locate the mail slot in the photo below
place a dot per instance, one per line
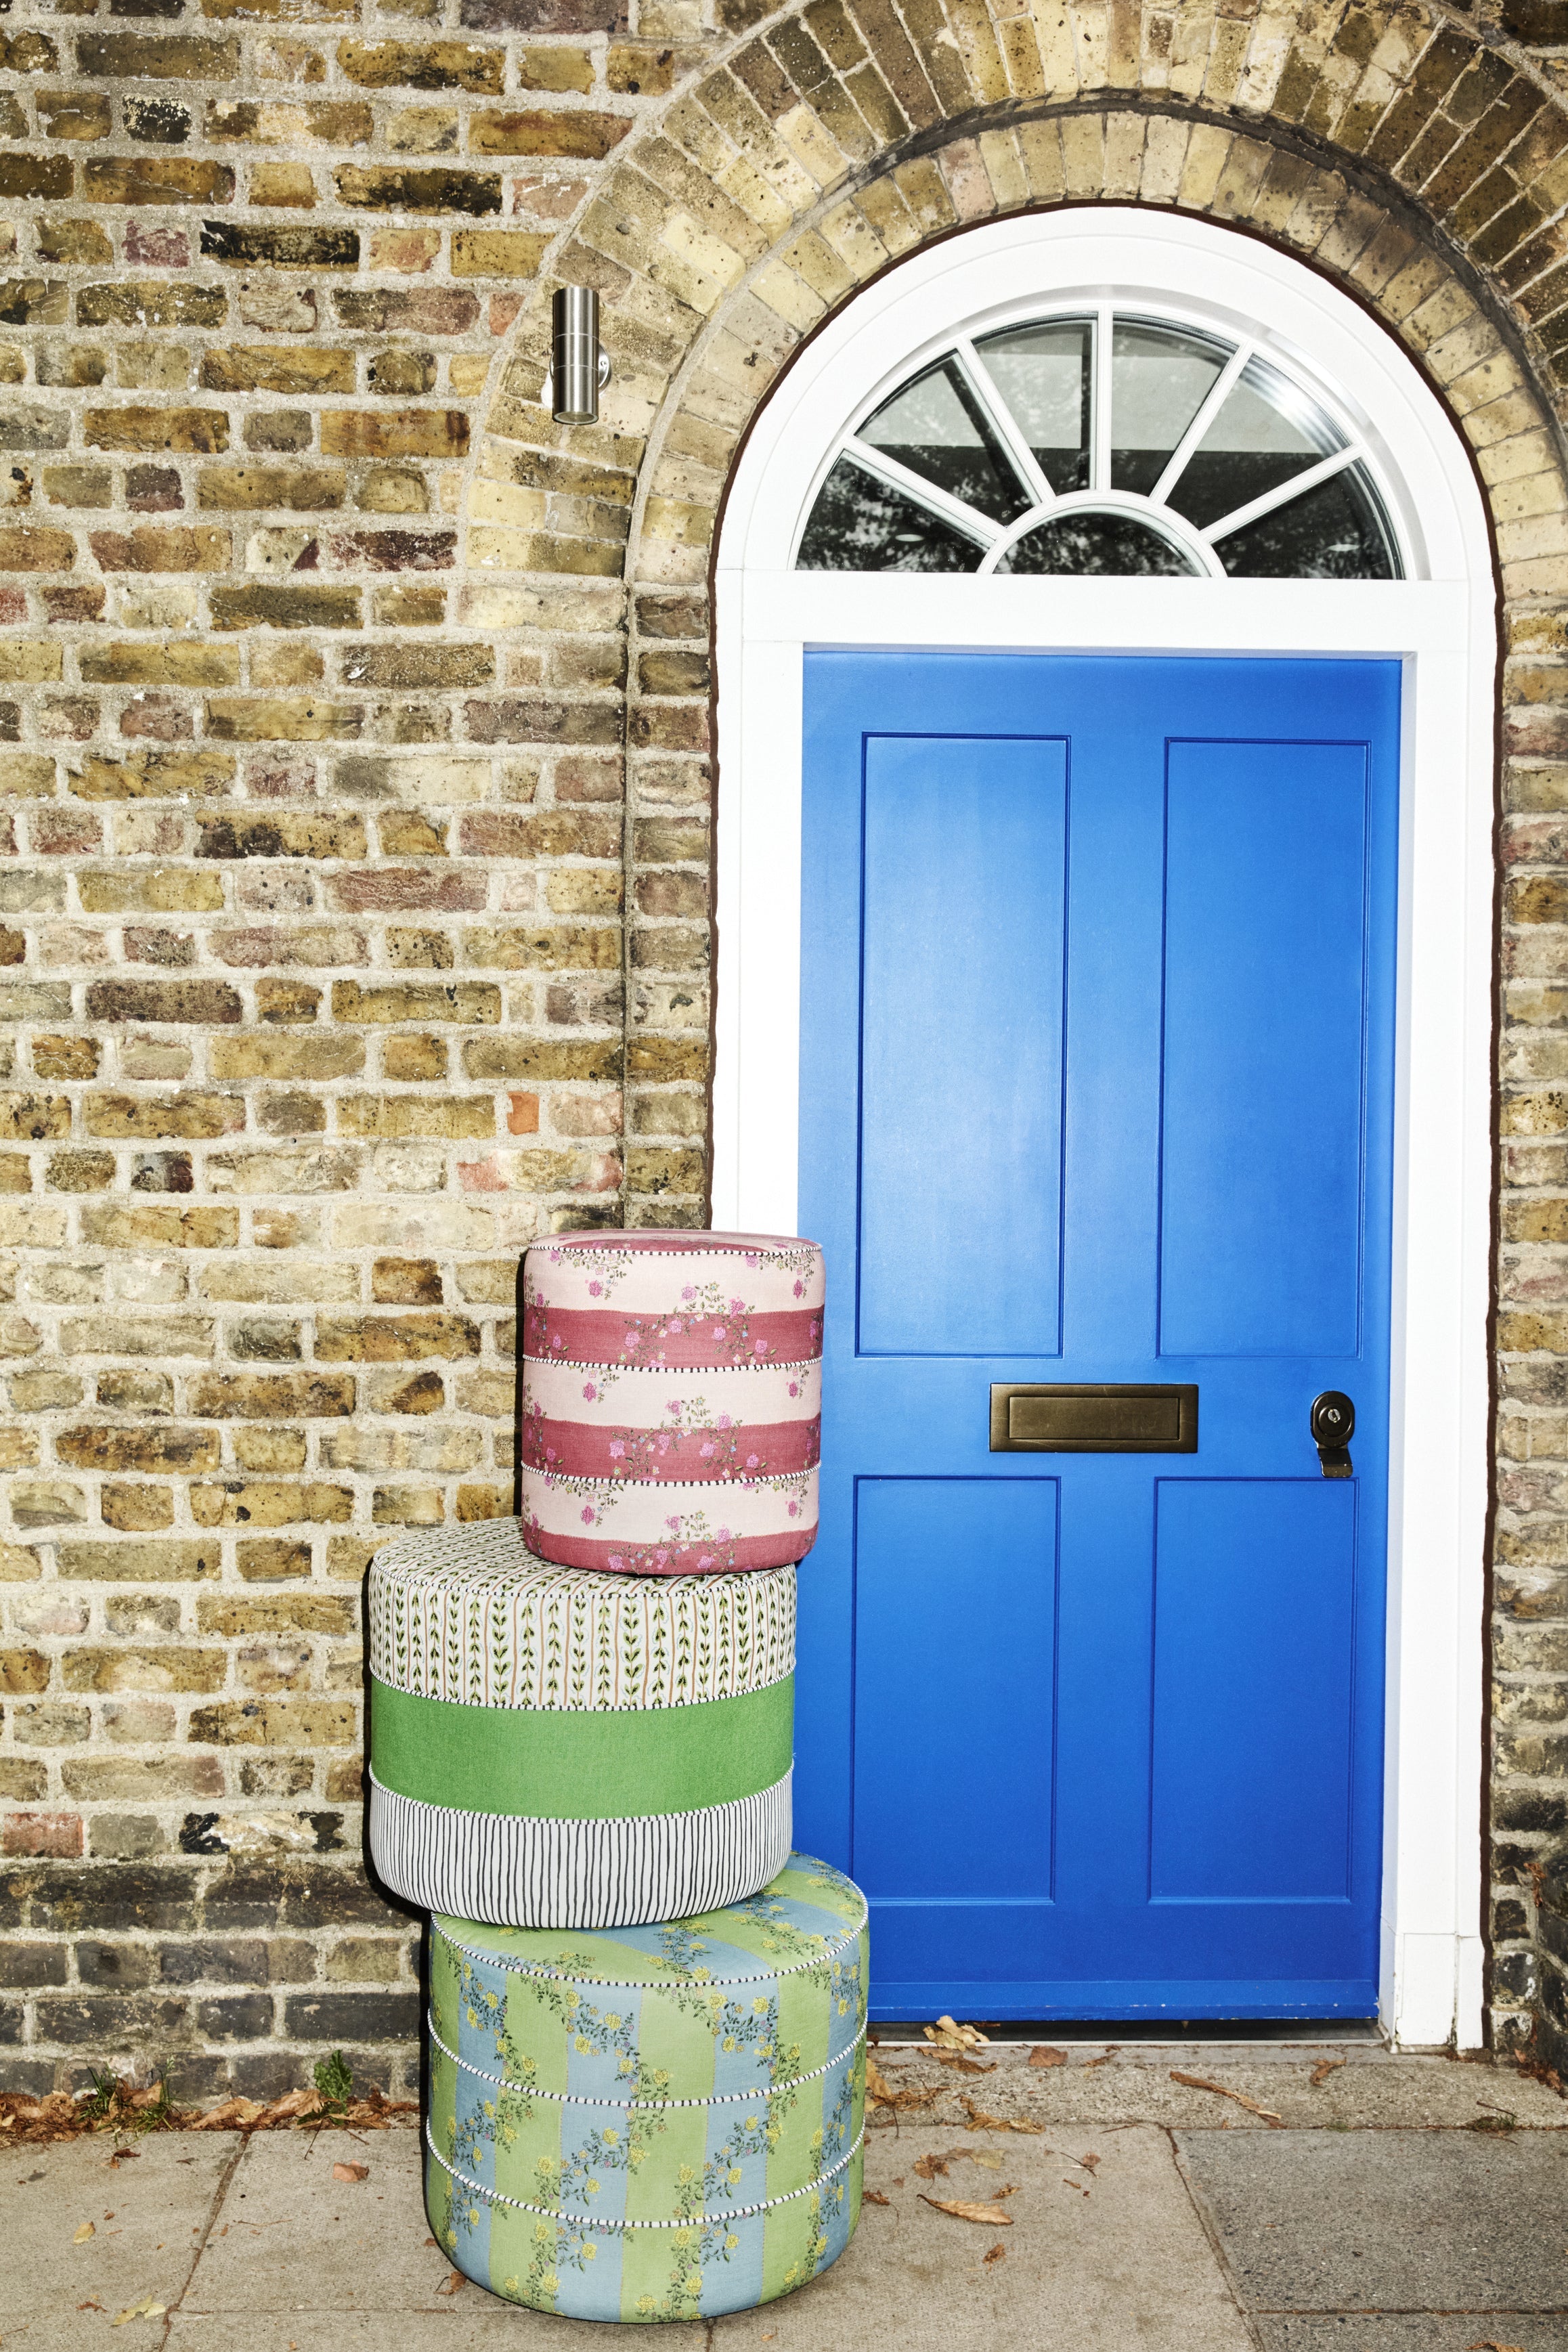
(1070, 1419)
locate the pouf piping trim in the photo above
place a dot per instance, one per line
(677, 2222)
(642, 1984)
(645, 2107)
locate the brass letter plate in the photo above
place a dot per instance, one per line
(1076, 1420)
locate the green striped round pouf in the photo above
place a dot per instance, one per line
(565, 1747)
(652, 2123)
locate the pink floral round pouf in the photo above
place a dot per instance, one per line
(671, 1400)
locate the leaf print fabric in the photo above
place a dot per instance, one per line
(651, 2124)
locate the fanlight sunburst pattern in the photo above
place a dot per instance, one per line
(1104, 442)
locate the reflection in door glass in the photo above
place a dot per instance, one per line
(1114, 410)
(937, 428)
(1044, 374)
(860, 524)
(1266, 432)
(1159, 381)
(1335, 531)
(1084, 542)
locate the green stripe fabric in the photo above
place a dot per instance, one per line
(580, 1764)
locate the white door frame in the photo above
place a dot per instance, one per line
(1440, 622)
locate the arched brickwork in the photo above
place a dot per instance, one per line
(1417, 163)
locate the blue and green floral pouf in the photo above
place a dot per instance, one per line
(651, 2123)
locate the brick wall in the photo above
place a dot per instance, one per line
(353, 814)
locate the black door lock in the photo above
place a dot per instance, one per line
(1333, 1425)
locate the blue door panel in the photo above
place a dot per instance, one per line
(966, 853)
(1261, 1158)
(991, 1735)
(1097, 1054)
(1253, 1683)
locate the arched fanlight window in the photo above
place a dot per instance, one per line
(1104, 442)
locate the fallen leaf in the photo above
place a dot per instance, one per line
(1491, 2345)
(149, 2097)
(92, 2306)
(1222, 2091)
(874, 2197)
(145, 2309)
(1042, 2054)
(293, 2103)
(991, 2216)
(877, 2088)
(980, 2121)
(1074, 2184)
(452, 2285)
(998, 2253)
(1323, 2069)
(1089, 2164)
(351, 2172)
(87, 2229)
(230, 2115)
(430, 2241)
(123, 2156)
(1104, 2060)
(954, 2036)
(956, 2059)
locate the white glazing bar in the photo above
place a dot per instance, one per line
(1282, 493)
(1214, 401)
(1002, 421)
(963, 517)
(1099, 446)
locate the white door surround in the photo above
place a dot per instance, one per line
(1441, 623)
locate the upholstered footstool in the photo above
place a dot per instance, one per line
(671, 1400)
(653, 2123)
(553, 1748)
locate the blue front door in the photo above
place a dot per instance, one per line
(1096, 1088)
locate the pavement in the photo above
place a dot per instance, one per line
(1399, 2204)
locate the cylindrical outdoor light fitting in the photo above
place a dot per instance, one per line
(578, 368)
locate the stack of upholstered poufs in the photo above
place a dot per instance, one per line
(647, 2017)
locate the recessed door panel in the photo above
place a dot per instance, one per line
(964, 890)
(1254, 1684)
(973, 1745)
(1261, 1133)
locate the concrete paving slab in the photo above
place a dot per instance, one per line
(1361, 2089)
(1116, 2258)
(1395, 2222)
(1423, 2331)
(147, 2213)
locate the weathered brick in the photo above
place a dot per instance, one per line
(578, 132)
(297, 489)
(183, 547)
(249, 245)
(267, 367)
(395, 433)
(202, 1000)
(167, 1562)
(497, 253)
(393, 188)
(156, 179)
(156, 57)
(423, 65)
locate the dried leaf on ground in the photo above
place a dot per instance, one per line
(230, 2115)
(1074, 2184)
(145, 2309)
(874, 2197)
(1323, 2069)
(1104, 2059)
(452, 2285)
(980, 2121)
(881, 2091)
(956, 2059)
(87, 2229)
(1043, 2055)
(1089, 2164)
(1498, 2119)
(1490, 2344)
(962, 2210)
(950, 2035)
(351, 2172)
(998, 2253)
(1223, 2091)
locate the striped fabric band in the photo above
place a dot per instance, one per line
(599, 1336)
(511, 1870)
(580, 2221)
(643, 2107)
(828, 1957)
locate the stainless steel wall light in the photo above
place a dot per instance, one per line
(579, 367)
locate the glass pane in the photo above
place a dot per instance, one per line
(858, 524)
(1333, 532)
(936, 427)
(1266, 432)
(1044, 374)
(1084, 542)
(1159, 381)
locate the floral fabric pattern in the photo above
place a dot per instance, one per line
(655, 2122)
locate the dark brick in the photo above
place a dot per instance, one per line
(108, 1896)
(1542, 21)
(351, 2017)
(544, 16)
(252, 245)
(419, 310)
(248, 2017)
(110, 2020)
(390, 188)
(114, 1968)
(201, 1001)
(23, 1965)
(158, 121)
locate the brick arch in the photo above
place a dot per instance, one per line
(1418, 165)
